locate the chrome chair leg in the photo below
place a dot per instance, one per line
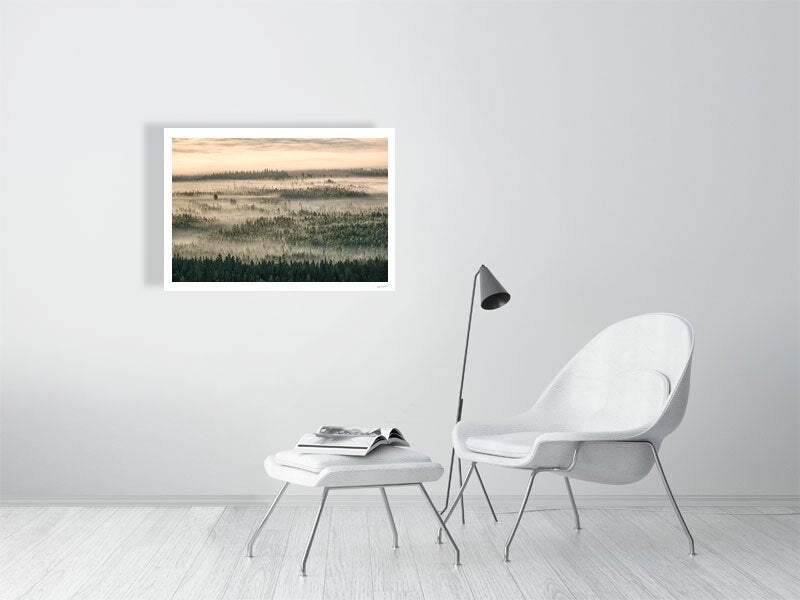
(442, 523)
(257, 532)
(455, 502)
(461, 482)
(488, 501)
(313, 531)
(449, 481)
(391, 518)
(672, 499)
(519, 516)
(574, 507)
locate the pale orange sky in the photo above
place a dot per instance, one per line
(191, 156)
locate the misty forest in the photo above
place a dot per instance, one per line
(279, 226)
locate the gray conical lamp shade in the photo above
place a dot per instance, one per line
(493, 294)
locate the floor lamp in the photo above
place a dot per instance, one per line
(493, 295)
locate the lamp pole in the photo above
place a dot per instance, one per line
(458, 417)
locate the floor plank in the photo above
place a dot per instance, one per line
(114, 577)
(78, 565)
(42, 558)
(394, 572)
(788, 518)
(255, 578)
(784, 533)
(211, 570)
(781, 511)
(94, 553)
(13, 518)
(32, 533)
(752, 552)
(537, 576)
(163, 574)
(439, 579)
(607, 574)
(710, 574)
(349, 558)
(599, 539)
(487, 575)
(290, 585)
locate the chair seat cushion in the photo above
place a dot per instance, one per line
(387, 465)
(509, 445)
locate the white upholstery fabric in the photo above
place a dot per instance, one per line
(631, 382)
(386, 465)
(383, 455)
(511, 445)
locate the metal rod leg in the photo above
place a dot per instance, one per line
(449, 480)
(313, 531)
(455, 502)
(461, 482)
(672, 500)
(519, 516)
(257, 532)
(488, 501)
(574, 507)
(391, 518)
(442, 523)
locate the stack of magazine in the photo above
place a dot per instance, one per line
(349, 441)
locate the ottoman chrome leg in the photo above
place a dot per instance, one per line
(264, 521)
(442, 523)
(313, 531)
(391, 518)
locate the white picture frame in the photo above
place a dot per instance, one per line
(172, 133)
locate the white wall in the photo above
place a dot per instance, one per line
(604, 160)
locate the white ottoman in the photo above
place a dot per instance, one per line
(384, 467)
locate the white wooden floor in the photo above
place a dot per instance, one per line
(86, 553)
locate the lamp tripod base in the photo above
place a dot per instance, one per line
(460, 483)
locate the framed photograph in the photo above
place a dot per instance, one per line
(278, 209)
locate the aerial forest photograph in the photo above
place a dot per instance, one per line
(264, 212)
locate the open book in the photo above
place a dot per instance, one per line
(349, 441)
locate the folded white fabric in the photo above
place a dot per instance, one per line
(387, 465)
(382, 455)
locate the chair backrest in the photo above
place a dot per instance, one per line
(632, 375)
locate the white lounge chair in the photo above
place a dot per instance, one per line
(601, 419)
